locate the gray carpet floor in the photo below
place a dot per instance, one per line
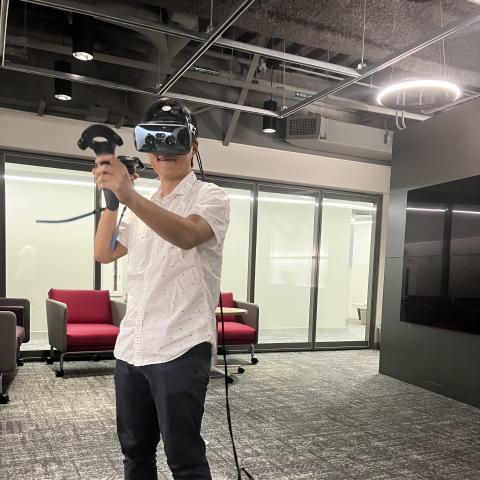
(315, 415)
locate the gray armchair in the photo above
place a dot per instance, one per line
(82, 321)
(239, 330)
(14, 330)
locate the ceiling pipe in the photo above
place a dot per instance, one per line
(3, 28)
(105, 14)
(396, 57)
(218, 32)
(126, 88)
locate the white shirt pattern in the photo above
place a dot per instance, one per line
(172, 293)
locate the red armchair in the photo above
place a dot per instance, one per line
(82, 321)
(240, 330)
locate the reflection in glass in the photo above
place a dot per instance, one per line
(441, 278)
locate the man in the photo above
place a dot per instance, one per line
(174, 242)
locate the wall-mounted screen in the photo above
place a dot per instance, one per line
(441, 272)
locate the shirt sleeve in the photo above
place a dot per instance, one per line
(214, 206)
(124, 230)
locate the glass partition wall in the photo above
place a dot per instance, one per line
(304, 255)
(40, 256)
(344, 273)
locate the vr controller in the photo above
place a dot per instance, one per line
(103, 140)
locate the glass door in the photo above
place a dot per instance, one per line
(284, 262)
(237, 245)
(345, 270)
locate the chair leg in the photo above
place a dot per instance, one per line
(61, 373)
(3, 398)
(50, 358)
(253, 360)
(19, 360)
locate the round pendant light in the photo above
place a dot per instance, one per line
(269, 123)
(82, 37)
(63, 88)
(419, 95)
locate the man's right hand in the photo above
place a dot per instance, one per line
(111, 171)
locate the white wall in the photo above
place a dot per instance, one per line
(58, 136)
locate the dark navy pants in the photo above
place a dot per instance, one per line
(163, 399)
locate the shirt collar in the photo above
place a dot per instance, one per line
(183, 187)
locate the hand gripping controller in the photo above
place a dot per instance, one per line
(103, 141)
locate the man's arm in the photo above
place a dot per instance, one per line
(105, 231)
(103, 238)
(185, 233)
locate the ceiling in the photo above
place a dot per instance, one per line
(132, 58)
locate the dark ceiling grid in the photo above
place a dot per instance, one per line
(404, 53)
(243, 94)
(279, 12)
(203, 48)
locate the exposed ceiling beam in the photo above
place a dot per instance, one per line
(127, 88)
(243, 96)
(41, 106)
(3, 28)
(103, 12)
(203, 48)
(261, 87)
(396, 57)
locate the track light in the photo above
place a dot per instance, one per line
(82, 37)
(63, 88)
(269, 123)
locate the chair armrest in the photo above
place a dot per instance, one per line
(251, 317)
(57, 324)
(25, 303)
(119, 309)
(8, 342)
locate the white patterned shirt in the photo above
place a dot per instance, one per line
(172, 293)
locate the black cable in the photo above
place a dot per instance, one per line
(200, 166)
(224, 351)
(227, 400)
(71, 219)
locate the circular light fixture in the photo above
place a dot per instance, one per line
(84, 56)
(419, 95)
(269, 123)
(63, 88)
(63, 96)
(166, 108)
(82, 37)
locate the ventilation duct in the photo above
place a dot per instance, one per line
(314, 132)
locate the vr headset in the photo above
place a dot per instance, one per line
(168, 129)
